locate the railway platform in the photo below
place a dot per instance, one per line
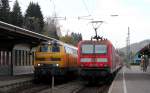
(9, 82)
(131, 80)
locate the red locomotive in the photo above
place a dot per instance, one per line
(98, 59)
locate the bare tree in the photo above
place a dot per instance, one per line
(52, 28)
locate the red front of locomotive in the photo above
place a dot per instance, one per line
(95, 58)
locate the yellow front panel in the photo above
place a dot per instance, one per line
(50, 57)
(62, 58)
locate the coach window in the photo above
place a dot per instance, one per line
(71, 51)
(74, 52)
(68, 50)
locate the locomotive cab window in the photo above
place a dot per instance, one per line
(90, 49)
(44, 48)
(87, 49)
(100, 49)
(55, 48)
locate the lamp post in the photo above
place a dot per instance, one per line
(53, 82)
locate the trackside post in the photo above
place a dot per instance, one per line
(52, 85)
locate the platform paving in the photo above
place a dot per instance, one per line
(131, 80)
(11, 80)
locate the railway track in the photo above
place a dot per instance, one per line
(33, 89)
(28, 87)
(78, 87)
(38, 88)
(69, 87)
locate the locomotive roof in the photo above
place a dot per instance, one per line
(105, 41)
(61, 43)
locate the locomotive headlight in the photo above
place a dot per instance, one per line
(38, 64)
(57, 65)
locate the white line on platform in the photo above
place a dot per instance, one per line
(124, 83)
(112, 85)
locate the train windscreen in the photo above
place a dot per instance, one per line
(87, 49)
(55, 48)
(44, 48)
(100, 49)
(49, 48)
(90, 49)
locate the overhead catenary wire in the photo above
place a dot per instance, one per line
(54, 7)
(54, 12)
(97, 23)
(81, 17)
(86, 7)
(65, 18)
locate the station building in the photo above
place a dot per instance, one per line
(17, 46)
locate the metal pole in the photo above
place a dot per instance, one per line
(128, 47)
(129, 56)
(52, 84)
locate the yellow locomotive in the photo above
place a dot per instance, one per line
(55, 59)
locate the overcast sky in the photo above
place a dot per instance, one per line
(132, 13)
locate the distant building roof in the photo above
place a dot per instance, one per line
(145, 50)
